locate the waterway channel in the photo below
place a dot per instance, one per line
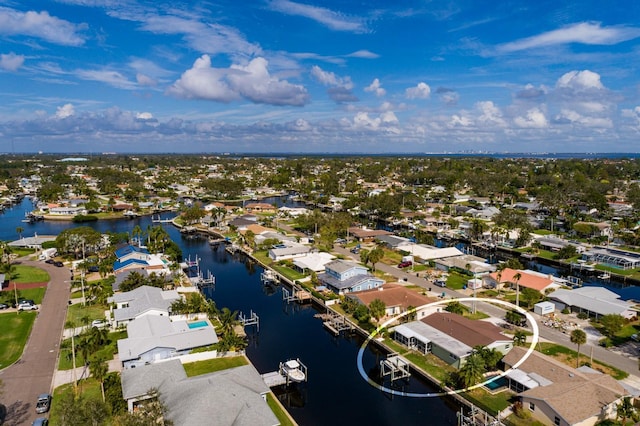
(335, 393)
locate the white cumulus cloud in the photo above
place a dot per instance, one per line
(252, 81)
(420, 91)
(65, 111)
(324, 16)
(580, 80)
(376, 88)
(11, 61)
(533, 119)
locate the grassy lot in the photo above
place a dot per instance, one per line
(211, 365)
(288, 272)
(277, 409)
(569, 356)
(29, 274)
(456, 281)
(35, 294)
(20, 252)
(90, 389)
(14, 333)
(83, 315)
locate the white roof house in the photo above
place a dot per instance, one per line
(153, 338)
(596, 301)
(313, 261)
(144, 300)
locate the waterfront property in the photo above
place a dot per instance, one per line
(613, 257)
(154, 338)
(129, 257)
(313, 262)
(595, 301)
(288, 250)
(235, 396)
(144, 300)
(527, 279)
(397, 299)
(557, 394)
(451, 337)
(343, 277)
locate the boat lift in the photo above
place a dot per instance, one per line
(289, 371)
(395, 367)
(252, 319)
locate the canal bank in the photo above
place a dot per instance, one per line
(335, 393)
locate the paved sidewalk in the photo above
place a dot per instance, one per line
(61, 377)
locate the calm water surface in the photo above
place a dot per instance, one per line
(335, 393)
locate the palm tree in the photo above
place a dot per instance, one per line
(578, 337)
(228, 320)
(472, 370)
(516, 278)
(72, 325)
(19, 231)
(626, 410)
(136, 233)
(99, 369)
(519, 338)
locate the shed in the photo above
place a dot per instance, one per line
(544, 308)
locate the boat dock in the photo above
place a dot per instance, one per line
(335, 322)
(295, 294)
(395, 367)
(269, 276)
(289, 371)
(252, 319)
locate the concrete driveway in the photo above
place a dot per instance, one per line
(33, 373)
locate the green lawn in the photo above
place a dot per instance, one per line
(211, 365)
(456, 281)
(14, 333)
(35, 294)
(568, 356)
(29, 274)
(277, 409)
(76, 313)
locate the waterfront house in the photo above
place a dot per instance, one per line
(154, 338)
(613, 257)
(67, 211)
(260, 208)
(466, 263)
(528, 279)
(451, 337)
(397, 299)
(343, 277)
(288, 251)
(312, 262)
(235, 396)
(595, 301)
(557, 394)
(133, 257)
(144, 300)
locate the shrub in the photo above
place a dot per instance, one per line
(84, 218)
(566, 311)
(605, 342)
(583, 315)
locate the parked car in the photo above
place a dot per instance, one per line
(98, 323)
(43, 403)
(4, 306)
(58, 264)
(440, 283)
(404, 264)
(50, 261)
(93, 268)
(40, 421)
(355, 250)
(27, 307)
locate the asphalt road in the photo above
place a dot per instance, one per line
(607, 356)
(33, 373)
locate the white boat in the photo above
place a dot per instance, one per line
(604, 276)
(293, 369)
(269, 276)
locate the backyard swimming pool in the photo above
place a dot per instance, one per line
(197, 324)
(496, 384)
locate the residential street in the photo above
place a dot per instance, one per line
(630, 365)
(33, 373)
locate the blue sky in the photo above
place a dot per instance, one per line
(319, 77)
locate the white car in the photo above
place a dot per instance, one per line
(98, 323)
(27, 307)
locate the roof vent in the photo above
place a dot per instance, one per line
(570, 374)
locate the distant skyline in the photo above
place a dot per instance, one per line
(282, 76)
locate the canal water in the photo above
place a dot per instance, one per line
(335, 394)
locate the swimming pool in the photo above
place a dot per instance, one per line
(197, 324)
(496, 384)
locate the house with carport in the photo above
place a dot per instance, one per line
(595, 301)
(451, 337)
(557, 394)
